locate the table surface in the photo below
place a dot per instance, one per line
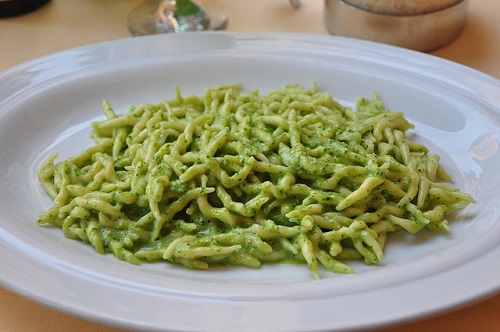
(64, 24)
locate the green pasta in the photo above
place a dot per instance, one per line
(245, 179)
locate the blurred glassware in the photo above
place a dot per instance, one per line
(166, 16)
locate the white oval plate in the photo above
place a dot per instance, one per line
(46, 105)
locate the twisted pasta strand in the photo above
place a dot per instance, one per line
(234, 178)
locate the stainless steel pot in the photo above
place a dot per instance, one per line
(421, 28)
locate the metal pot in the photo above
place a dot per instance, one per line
(416, 26)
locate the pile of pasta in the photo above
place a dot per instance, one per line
(237, 178)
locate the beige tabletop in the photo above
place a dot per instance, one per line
(64, 24)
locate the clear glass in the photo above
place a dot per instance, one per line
(165, 16)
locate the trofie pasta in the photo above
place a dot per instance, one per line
(245, 179)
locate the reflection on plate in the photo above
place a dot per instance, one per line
(46, 105)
